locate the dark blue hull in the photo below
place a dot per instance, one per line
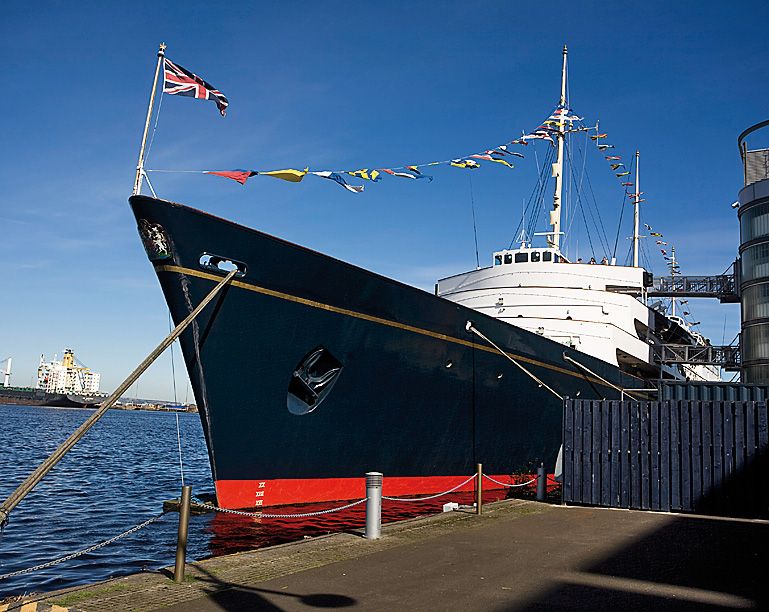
(309, 372)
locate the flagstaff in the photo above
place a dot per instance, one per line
(140, 164)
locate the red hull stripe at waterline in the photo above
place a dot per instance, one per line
(235, 494)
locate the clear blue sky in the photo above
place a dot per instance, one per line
(341, 85)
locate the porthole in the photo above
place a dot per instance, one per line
(449, 363)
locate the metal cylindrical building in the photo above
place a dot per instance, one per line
(754, 260)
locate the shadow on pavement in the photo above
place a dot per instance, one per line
(689, 563)
(222, 595)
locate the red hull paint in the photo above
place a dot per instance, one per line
(235, 494)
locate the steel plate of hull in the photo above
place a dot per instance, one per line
(404, 388)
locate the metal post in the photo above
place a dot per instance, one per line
(541, 482)
(181, 536)
(29, 483)
(479, 488)
(373, 505)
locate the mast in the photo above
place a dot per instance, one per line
(140, 163)
(555, 215)
(636, 201)
(672, 276)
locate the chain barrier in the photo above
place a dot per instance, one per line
(82, 552)
(414, 499)
(300, 515)
(503, 484)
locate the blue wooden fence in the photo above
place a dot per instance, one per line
(709, 457)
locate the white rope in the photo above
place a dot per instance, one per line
(413, 499)
(504, 484)
(179, 442)
(541, 383)
(81, 552)
(300, 515)
(603, 380)
(180, 171)
(176, 401)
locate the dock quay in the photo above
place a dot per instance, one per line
(518, 555)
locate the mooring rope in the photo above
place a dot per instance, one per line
(471, 328)
(82, 552)
(414, 499)
(299, 515)
(603, 380)
(504, 484)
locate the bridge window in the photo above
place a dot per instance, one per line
(521, 257)
(497, 260)
(535, 255)
(547, 256)
(508, 258)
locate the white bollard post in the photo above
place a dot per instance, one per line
(373, 505)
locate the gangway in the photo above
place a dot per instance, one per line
(724, 287)
(727, 357)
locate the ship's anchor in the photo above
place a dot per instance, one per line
(313, 383)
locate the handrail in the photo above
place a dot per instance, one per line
(745, 133)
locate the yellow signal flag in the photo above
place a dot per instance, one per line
(465, 163)
(289, 174)
(366, 175)
(492, 159)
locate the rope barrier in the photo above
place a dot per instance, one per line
(299, 515)
(504, 484)
(413, 499)
(82, 552)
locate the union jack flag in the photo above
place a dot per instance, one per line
(178, 80)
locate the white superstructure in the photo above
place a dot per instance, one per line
(597, 308)
(65, 377)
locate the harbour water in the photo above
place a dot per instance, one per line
(118, 476)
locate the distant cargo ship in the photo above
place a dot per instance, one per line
(59, 383)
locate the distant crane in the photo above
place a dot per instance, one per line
(7, 377)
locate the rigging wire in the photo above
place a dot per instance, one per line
(178, 430)
(598, 224)
(154, 128)
(622, 211)
(538, 204)
(475, 229)
(587, 229)
(578, 188)
(531, 208)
